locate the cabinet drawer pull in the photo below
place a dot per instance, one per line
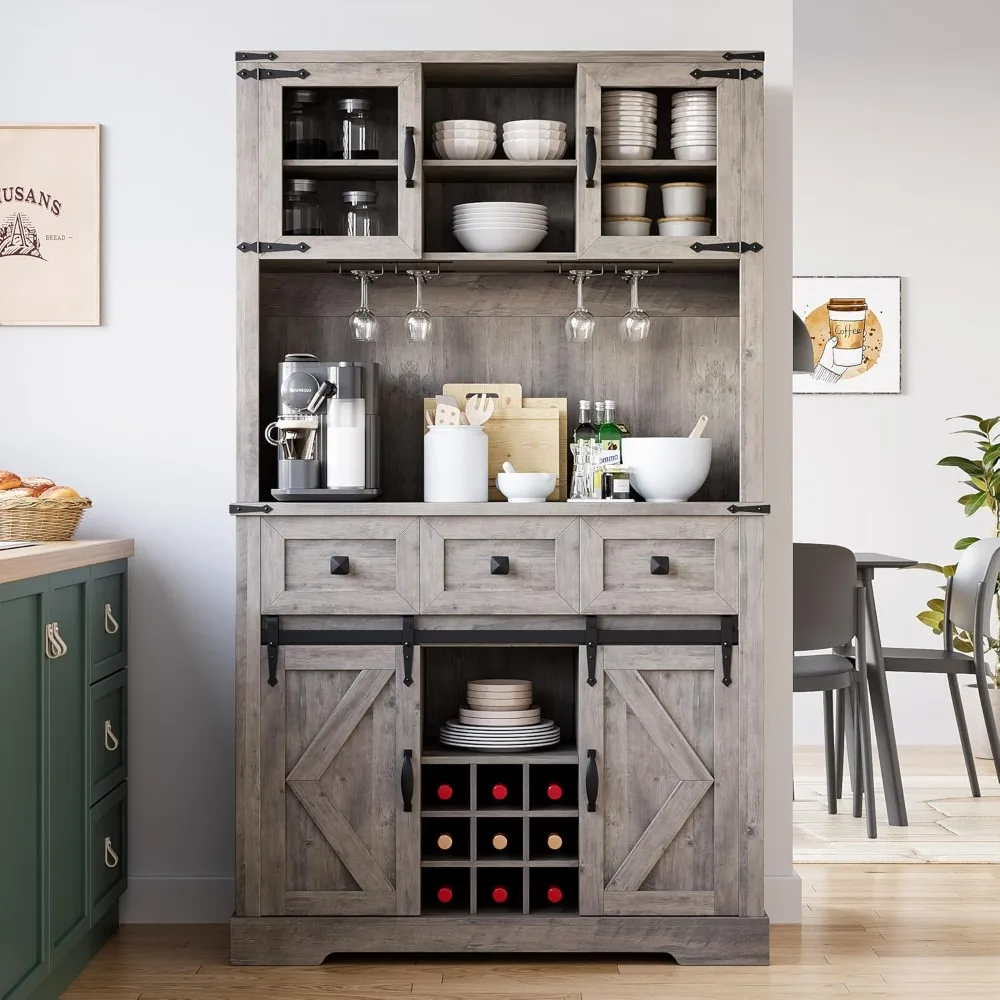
(409, 156)
(406, 781)
(340, 565)
(110, 625)
(110, 740)
(110, 858)
(590, 156)
(499, 565)
(63, 648)
(592, 781)
(659, 565)
(54, 645)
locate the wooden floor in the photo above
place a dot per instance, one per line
(868, 931)
(946, 824)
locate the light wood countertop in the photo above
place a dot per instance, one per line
(53, 557)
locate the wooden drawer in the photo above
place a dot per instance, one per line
(501, 565)
(339, 565)
(108, 845)
(659, 565)
(108, 618)
(108, 734)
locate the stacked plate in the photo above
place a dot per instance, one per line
(500, 226)
(534, 139)
(500, 718)
(464, 139)
(693, 119)
(628, 125)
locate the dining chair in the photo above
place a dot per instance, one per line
(967, 605)
(827, 612)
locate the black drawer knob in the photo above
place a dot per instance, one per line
(499, 565)
(340, 565)
(659, 565)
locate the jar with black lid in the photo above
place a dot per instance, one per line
(303, 216)
(361, 215)
(305, 137)
(358, 133)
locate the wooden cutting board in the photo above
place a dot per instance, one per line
(508, 393)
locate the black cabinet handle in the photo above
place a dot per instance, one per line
(409, 156)
(499, 565)
(592, 781)
(590, 158)
(659, 565)
(406, 781)
(340, 565)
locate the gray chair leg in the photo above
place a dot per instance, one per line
(963, 734)
(867, 765)
(991, 724)
(841, 707)
(830, 753)
(854, 749)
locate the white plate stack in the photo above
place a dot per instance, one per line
(500, 226)
(628, 125)
(464, 139)
(534, 139)
(500, 719)
(693, 120)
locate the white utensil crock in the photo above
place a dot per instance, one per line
(456, 466)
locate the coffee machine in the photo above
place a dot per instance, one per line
(328, 431)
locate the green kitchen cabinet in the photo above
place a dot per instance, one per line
(59, 784)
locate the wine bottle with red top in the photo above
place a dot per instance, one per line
(554, 889)
(499, 889)
(498, 786)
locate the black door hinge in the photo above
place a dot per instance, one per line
(730, 638)
(749, 508)
(250, 508)
(591, 650)
(263, 73)
(408, 650)
(743, 56)
(269, 637)
(736, 73)
(261, 56)
(739, 247)
(271, 247)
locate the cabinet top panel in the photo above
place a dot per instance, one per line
(54, 557)
(561, 509)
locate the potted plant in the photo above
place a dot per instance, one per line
(983, 472)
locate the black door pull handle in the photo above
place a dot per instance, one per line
(659, 565)
(340, 565)
(406, 781)
(499, 565)
(592, 781)
(409, 156)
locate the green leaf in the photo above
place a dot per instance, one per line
(930, 618)
(949, 570)
(964, 543)
(975, 504)
(979, 484)
(987, 425)
(970, 430)
(990, 456)
(936, 604)
(967, 416)
(962, 646)
(963, 500)
(967, 465)
(933, 567)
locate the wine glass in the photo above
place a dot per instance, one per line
(634, 325)
(418, 322)
(580, 322)
(363, 323)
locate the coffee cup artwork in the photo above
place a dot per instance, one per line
(855, 331)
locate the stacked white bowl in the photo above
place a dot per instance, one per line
(500, 226)
(464, 139)
(534, 139)
(623, 209)
(685, 204)
(693, 119)
(628, 125)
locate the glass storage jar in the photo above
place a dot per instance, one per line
(358, 134)
(305, 137)
(361, 216)
(303, 216)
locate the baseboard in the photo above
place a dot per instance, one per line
(783, 898)
(162, 899)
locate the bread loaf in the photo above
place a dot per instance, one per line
(9, 480)
(19, 491)
(39, 483)
(59, 493)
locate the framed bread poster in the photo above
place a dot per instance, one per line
(50, 225)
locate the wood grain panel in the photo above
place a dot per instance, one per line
(590, 736)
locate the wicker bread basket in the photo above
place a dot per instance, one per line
(31, 519)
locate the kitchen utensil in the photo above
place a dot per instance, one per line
(506, 394)
(628, 152)
(534, 149)
(500, 685)
(626, 198)
(625, 226)
(417, 321)
(464, 123)
(464, 133)
(455, 464)
(526, 487)
(305, 128)
(684, 198)
(298, 474)
(428, 418)
(695, 152)
(667, 470)
(500, 239)
(699, 427)
(499, 718)
(361, 215)
(464, 148)
(535, 123)
(507, 467)
(580, 323)
(698, 226)
(358, 133)
(515, 701)
(534, 133)
(303, 215)
(447, 416)
(479, 409)
(634, 326)
(363, 323)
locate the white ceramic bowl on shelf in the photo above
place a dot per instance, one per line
(535, 149)
(496, 239)
(628, 151)
(501, 222)
(667, 470)
(684, 198)
(532, 124)
(464, 149)
(464, 123)
(691, 225)
(528, 133)
(695, 152)
(526, 487)
(512, 215)
(624, 198)
(625, 225)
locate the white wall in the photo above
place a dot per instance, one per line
(875, 91)
(121, 402)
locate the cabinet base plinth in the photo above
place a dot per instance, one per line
(688, 940)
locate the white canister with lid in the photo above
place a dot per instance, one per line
(456, 464)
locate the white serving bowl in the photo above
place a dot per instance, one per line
(535, 149)
(502, 204)
(692, 225)
(705, 94)
(694, 139)
(624, 198)
(625, 225)
(464, 123)
(682, 114)
(643, 95)
(643, 121)
(628, 151)
(628, 138)
(526, 487)
(499, 240)
(702, 121)
(533, 133)
(512, 213)
(695, 152)
(666, 469)
(535, 123)
(684, 198)
(501, 217)
(464, 149)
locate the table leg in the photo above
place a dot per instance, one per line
(885, 734)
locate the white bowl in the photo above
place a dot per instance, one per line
(667, 469)
(502, 204)
(464, 149)
(683, 114)
(624, 198)
(705, 94)
(632, 225)
(533, 133)
(478, 227)
(628, 139)
(630, 151)
(692, 225)
(500, 218)
(614, 121)
(684, 198)
(464, 123)
(695, 152)
(526, 487)
(535, 149)
(500, 240)
(513, 213)
(695, 121)
(535, 123)
(694, 139)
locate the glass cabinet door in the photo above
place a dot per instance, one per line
(340, 160)
(649, 125)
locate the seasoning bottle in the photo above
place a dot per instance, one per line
(585, 430)
(598, 421)
(609, 433)
(303, 216)
(617, 483)
(305, 137)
